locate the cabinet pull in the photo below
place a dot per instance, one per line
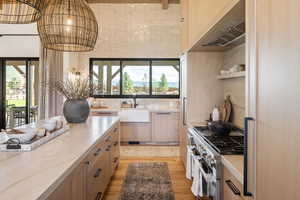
(97, 174)
(116, 159)
(184, 110)
(108, 148)
(97, 152)
(233, 188)
(246, 121)
(99, 195)
(87, 162)
(163, 113)
(116, 143)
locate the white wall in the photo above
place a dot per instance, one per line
(133, 31)
(19, 46)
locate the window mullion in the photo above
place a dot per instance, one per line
(121, 77)
(150, 79)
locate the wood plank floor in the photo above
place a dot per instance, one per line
(181, 186)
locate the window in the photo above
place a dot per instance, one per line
(106, 76)
(135, 79)
(145, 78)
(165, 79)
(18, 91)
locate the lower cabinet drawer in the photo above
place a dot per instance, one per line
(97, 179)
(232, 188)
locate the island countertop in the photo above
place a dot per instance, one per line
(34, 175)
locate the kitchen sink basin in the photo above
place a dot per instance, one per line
(134, 115)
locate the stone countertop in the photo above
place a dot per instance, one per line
(235, 165)
(154, 110)
(34, 175)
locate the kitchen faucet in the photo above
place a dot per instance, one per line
(134, 102)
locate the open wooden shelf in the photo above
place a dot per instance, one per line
(233, 75)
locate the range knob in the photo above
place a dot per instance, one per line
(204, 153)
(212, 163)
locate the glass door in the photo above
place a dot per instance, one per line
(19, 91)
(15, 93)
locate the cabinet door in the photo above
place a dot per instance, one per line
(98, 177)
(277, 61)
(165, 127)
(136, 132)
(115, 152)
(184, 25)
(202, 15)
(232, 189)
(73, 187)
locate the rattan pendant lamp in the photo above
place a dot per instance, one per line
(68, 25)
(20, 11)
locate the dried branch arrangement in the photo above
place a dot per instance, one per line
(74, 88)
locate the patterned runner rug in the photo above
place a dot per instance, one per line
(147, 181)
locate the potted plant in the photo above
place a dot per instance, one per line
(76, 91)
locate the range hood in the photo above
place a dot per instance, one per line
(225, 33)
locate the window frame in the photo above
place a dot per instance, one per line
(3, 61)
(150, 95)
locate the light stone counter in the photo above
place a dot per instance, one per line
(154, 110)
(34, 175)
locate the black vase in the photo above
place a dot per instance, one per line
(76, 111)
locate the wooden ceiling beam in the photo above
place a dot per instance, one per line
(165, 4)
(133, 1)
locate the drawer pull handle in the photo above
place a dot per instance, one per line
(97, 152)
(108, 148)
(164, 113)
(108, 139)
(97, 174)
(87, 162)
(99, 195)
(233, 188)
(116, 159)
(116, 143)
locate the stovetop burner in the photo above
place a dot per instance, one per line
(226, 145)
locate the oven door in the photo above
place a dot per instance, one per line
(208, 181)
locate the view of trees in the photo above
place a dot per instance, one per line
(137, 77)
(127, 84)
(163, 84)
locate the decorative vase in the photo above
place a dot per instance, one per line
(76, 111)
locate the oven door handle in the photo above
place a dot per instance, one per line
(246, 122)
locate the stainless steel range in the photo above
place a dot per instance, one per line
(205, 150)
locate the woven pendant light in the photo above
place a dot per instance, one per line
(68, 25)
(20, 11)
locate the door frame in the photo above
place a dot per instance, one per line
(3, 61)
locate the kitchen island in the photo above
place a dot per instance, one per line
(48, 171)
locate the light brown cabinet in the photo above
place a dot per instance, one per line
(137, 132)
(199, 16)
(165, 127)
(89, 180)
(73, 187)
(232, 188)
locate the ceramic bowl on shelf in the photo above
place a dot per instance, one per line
(27, 135)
